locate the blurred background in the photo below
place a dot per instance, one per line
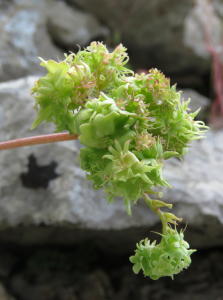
(58, 238)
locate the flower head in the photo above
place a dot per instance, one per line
(167, 258)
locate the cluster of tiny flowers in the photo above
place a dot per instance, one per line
(167, 258)
(129, 123)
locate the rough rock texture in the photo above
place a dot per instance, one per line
(200, 16)
(69, 27)
(61, 198)
(26, 28)
(24, 37)
(167, 34)
(198, 188)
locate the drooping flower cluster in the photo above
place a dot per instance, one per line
(167, 258)
(128, 123)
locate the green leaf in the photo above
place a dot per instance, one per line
(193, 115)
(169, 154)
(136, 268)
(42, 115)
(46, 91)
(133, 259)
(53, 66)
(70, 123)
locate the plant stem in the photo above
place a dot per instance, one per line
(37, 140)
(157, 211)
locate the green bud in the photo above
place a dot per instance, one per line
(167, 258)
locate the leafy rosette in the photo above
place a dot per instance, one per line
(167, 258)
(123, 172)
(126, 168)
(102, 121)
(164, 113)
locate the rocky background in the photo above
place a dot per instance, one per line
(58, 238)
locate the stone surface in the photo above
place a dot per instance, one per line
(71, 210)
(198, 188)
(203, 15)
(4, 295)
(166, 34)
(69, 27)
(32, 28)
(24, 37)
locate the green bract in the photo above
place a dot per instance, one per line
(129, 124)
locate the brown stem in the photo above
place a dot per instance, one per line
(37, 140)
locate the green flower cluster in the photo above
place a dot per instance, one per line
(129, 124)
(69, 84)
(167, 258)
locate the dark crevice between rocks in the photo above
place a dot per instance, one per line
(201, 83)
(143, 58)
(85, 272)
(65, 48)
(73, 48)
(75, 5)
(72, 264)
(38, 176)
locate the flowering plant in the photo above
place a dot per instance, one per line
(129, 124)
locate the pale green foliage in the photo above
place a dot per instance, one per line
(167, 258)
(128, 123)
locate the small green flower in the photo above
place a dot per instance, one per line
(167, 258)
(125, 164)
(144, 141)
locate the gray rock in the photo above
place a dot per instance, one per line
(218, 6)
(69, 27)
(24, 37)
(32, 28)
(71, 210)
(4, 295)
(203, 15)
(198, 188)
(197, 101)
